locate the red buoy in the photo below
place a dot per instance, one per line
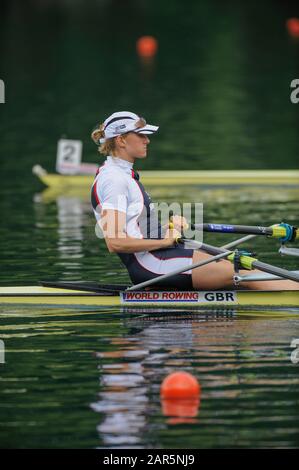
(147, 46)
(181, 408)
(180, 385)
(293, 27)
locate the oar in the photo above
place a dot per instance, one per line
(258, 277)
(222, 254)
(248, 262)
(85, 286)
(197, 245)
(284, 231)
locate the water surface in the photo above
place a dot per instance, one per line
(83, 379)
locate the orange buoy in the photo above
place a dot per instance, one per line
(181, 408)
(293, 27)
(147, 46)
(180, 385)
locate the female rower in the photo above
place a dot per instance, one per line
(124, 211)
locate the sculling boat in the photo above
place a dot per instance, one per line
(93, 294)
(178, 178)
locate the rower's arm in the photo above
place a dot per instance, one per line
(113, 224)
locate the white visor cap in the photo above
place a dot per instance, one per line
(123, 122)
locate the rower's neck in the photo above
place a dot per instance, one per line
(120, 161)
(122, 155)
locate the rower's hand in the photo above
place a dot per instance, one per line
(178, 222)
(171, 237)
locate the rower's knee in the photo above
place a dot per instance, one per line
(215, 275)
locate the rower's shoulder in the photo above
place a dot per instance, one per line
(111, 178)
(109, 172)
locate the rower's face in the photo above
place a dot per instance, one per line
(136, 145)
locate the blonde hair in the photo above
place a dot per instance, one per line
(108, 147)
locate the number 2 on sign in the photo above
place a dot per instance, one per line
(69, 153)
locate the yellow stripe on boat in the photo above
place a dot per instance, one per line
(45, 296)
(179, 178)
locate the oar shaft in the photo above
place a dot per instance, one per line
(275, 231)
(228, 228)
(268, 268)
(227, 246)
(195, 245)
(252, 262)
(258, 277)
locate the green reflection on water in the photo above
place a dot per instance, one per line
(92, 379)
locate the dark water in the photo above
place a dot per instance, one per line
(92, 379)
(219, 88)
